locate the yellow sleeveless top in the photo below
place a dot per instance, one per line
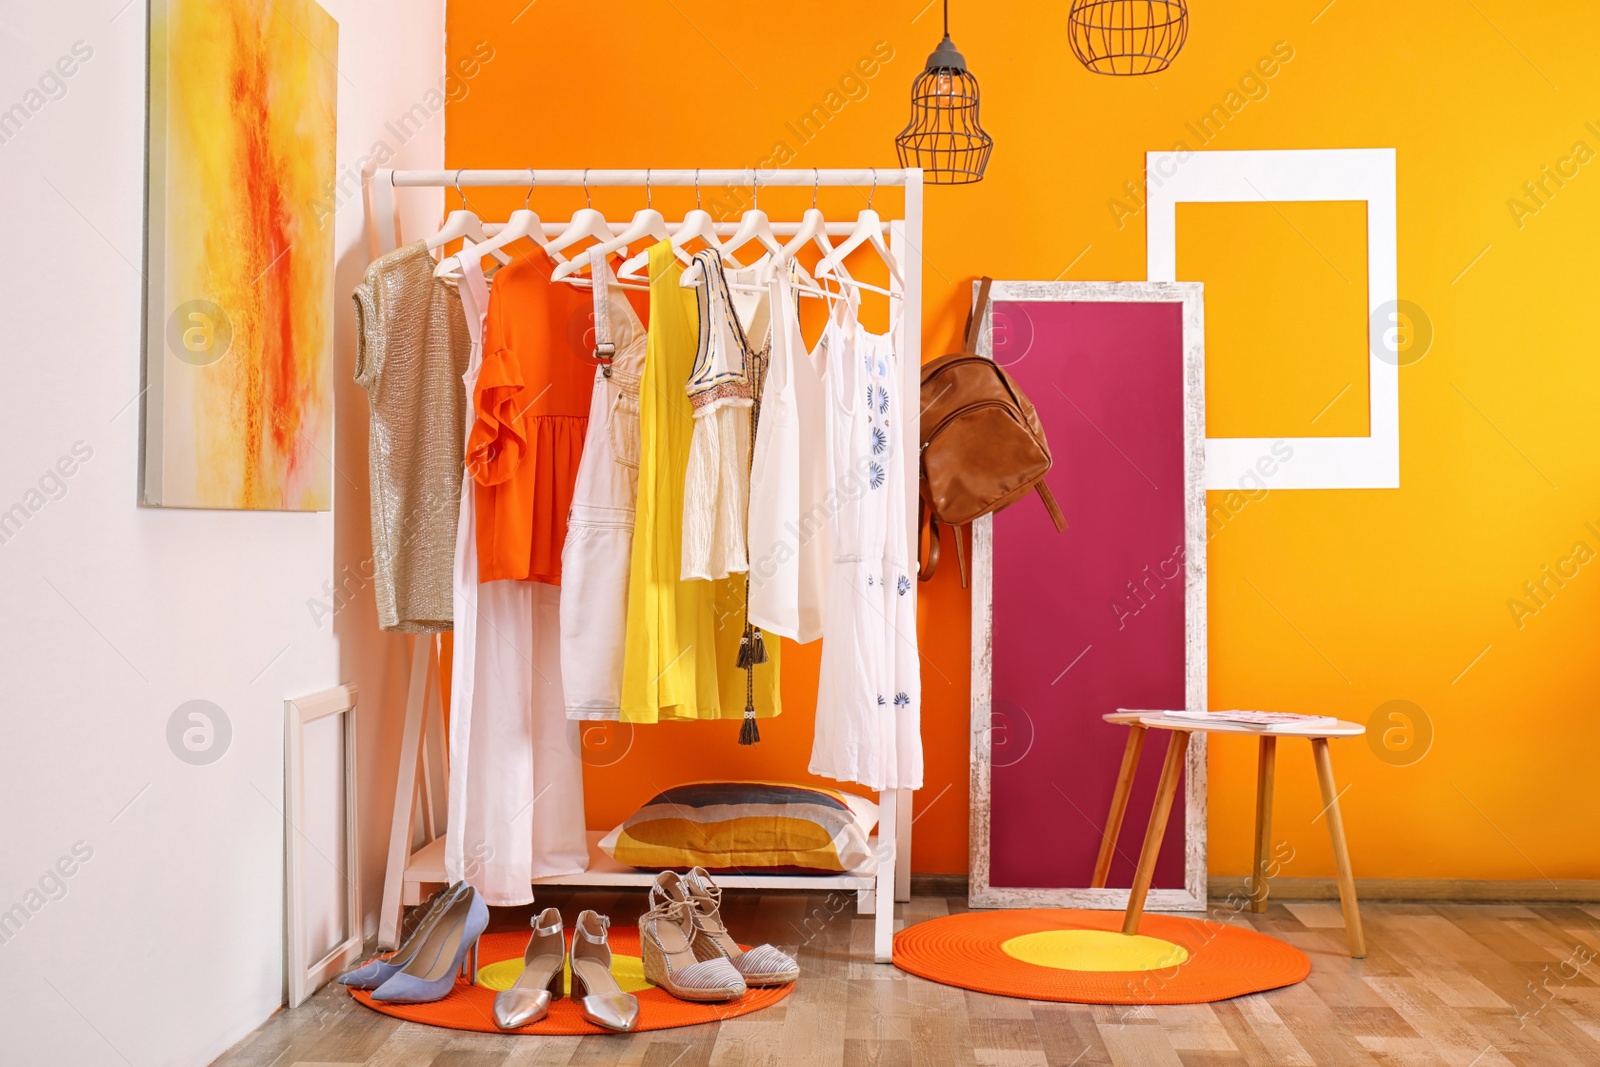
(681, 658)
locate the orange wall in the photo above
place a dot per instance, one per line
(1328, 601)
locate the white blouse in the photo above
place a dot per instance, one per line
(721, 388)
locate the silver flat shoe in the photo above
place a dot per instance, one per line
(529, 998)
(602, 999)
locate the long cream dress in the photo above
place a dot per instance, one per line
(516, 768)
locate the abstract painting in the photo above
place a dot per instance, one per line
(238, 407)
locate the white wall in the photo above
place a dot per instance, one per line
(164, 946)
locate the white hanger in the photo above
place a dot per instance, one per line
(754, 226)
(646, 223)
(586, 222)
(697, 223)
(869, 230)
(813, 227)
(522, 223)
(462, 223)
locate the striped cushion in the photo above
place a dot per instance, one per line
(747, 827)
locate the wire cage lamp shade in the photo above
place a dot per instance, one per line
(943, 136)
(1127, 36)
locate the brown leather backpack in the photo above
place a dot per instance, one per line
(982, 445)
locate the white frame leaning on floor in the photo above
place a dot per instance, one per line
(1193, 896)
(303, 977)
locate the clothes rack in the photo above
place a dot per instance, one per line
(410, 870)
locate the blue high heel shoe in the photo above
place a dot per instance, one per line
(374, 973)
(432, 972)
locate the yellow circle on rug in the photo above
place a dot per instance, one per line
(627, 970)
(1094, 950)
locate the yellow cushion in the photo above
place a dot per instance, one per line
(747, 827)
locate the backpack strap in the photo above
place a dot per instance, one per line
(961, 555)
(1051, 506)
(927, 562)
(975, 323)
(931, 563)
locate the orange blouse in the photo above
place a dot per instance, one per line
(532, 412)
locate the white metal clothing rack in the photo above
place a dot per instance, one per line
(887, 877)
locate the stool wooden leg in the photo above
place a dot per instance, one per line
(1266, 765)
(1341, 852)
(1119, 805)
(1177, 748)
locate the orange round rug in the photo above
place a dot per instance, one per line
(471, 1007)
(1082, 957)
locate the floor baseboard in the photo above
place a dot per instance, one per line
(938, 885)
(1574, 890)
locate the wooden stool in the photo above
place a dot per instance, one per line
(1139, 722)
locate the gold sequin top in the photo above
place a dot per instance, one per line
(412, 348)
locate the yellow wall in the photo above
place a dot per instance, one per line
(1332, 602)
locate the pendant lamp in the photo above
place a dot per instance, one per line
(943, 136)
(1127, 36)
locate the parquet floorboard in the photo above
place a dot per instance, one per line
(1445, 985)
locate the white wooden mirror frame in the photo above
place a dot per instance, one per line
(1192, 897)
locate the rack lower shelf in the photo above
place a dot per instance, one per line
(425, 872)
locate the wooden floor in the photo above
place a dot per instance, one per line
(1468, 985)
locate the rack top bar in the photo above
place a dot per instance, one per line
(798, 177)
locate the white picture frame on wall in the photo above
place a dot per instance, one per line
(1268, 176)
(322, 850)
(1193, 895)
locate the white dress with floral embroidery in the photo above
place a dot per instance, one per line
(869, 695)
